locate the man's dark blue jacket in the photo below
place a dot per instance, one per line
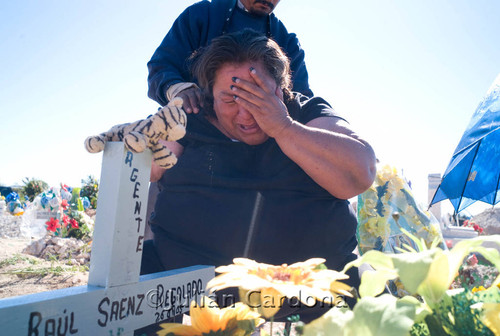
(195, 28)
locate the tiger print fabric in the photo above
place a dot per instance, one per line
(169, 124)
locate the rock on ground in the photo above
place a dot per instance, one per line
(22, 274)
(489, 220)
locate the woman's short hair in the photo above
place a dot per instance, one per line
(237, 48)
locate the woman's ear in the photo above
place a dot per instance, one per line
(279, 92)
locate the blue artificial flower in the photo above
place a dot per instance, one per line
(13, 196)
(66, 195)
(13, 205)
(44, 201)
(85, 202)
(54, 203)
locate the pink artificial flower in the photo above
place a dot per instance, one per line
(472, 260)
(64, 204)
(52, 224)
(74, 223)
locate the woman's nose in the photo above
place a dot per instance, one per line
(243, 113)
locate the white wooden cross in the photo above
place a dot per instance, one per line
(117, 300)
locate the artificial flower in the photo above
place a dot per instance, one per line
(478, 289)
(44, 201)
(74, 223)
(472, 260)
(208, 319)
(372, 316)
(85, 202)
(387, 207)
(18, 212)
(429, 272)
(378, 226)
(66, 195)
(65, 220)
(52, 224)
(54, 202)
(264, 286)
(13, 196)
(433, 230)
(64, 204)
(491, 317)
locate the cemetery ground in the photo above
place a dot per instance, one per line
(22, 274)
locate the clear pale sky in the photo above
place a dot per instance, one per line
(408, 75)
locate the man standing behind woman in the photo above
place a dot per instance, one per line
(169, 74)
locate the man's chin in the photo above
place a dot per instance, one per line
(261, 10)
(258, 12)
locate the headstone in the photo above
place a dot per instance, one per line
(3, 206)
(434, 181)
(116, 300)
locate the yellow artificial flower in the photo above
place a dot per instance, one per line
(428, 273)
(378, 226)
(368, 210)
(434, 230)
(478, 289)
(396, 183)
(207, 319)
(491, 317)
(384, 174)
(429, 234)
(265, 286)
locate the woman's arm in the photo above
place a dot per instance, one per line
(331, 154)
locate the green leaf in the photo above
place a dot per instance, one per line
(437, 281)
(435, 327)
(373, 282)
(330, 324)
(418, 242)
(376, 259)
(383, 315)
(413, 267)
(422, 310)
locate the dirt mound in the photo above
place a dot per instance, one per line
(489, 220)
(22, 274)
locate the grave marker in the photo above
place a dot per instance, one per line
(116, 300)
